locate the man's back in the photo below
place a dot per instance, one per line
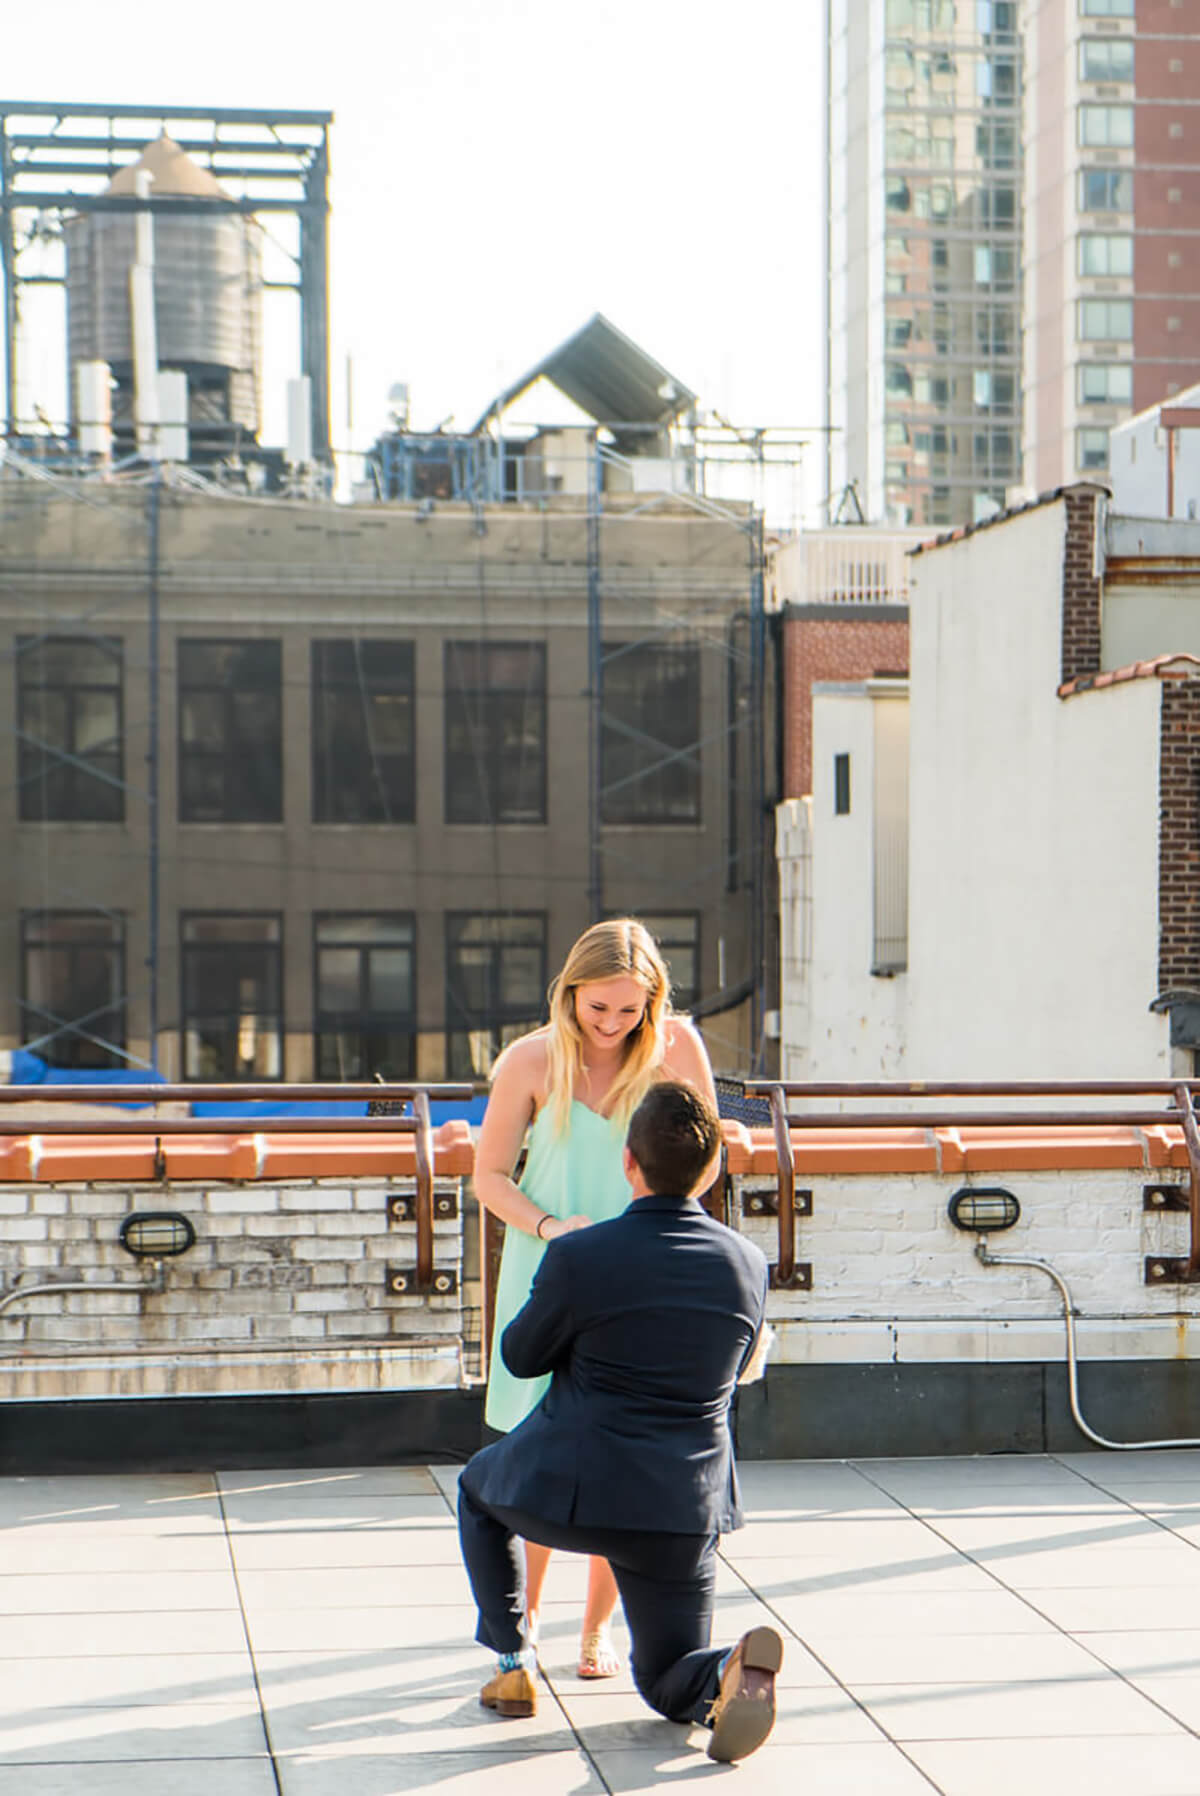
(644, 1322)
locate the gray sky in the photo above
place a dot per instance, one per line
(504, 168)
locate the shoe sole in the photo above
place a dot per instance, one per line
(512, 1711)
(746, 1720)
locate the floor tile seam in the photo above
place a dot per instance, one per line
(263, 1718)
(452, 1511)
(1144, 1514)
(839, 1682)
(1066, 1633)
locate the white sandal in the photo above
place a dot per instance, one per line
(598, 1656)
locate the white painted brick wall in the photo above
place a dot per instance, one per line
(893, 1279)
(300, 1268)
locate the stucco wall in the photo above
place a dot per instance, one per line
(1034, 829)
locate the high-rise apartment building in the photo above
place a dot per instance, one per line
(1112, 222)
(924, 171)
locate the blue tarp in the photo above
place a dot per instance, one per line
(31, 1069)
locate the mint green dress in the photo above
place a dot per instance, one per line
(576, 1173)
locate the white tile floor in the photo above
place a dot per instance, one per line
(977, 1627)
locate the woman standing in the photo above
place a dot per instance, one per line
(577, 1081)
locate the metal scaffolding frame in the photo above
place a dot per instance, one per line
(54, 160)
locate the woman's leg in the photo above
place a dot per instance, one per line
(597, 1658)
(537, 1561)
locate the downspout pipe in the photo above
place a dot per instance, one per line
(990, 1259)
(54, 1287)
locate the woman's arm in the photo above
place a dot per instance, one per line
(516, 1087)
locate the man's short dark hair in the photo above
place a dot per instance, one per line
(673, 1134)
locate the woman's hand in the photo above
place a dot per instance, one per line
(564, 1225)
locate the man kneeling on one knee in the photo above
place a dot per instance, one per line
(646, 1324)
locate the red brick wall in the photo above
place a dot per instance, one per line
(1179, 837)
(1080, 588)
(829, 648)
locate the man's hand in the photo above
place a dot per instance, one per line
(564, 1225)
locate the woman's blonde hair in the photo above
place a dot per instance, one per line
(621, 947)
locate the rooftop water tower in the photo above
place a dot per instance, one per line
(207, 300)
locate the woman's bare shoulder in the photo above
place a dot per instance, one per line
(684, 1053)
(524, 1061)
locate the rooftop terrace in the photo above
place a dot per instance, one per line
(968, 1626)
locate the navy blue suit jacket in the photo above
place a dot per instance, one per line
(644, 1323)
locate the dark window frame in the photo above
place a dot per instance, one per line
(480, 710)
(81, 1052)
(363, 1020)
(841, 785)
(39, 762)
(242, 799)
(189, 1020)
(621, 804)
(498, 1020)
(385, 780)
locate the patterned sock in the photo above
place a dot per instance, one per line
(514, 1661)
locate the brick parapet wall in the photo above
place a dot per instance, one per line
(850, 647)
(298, 1266)
(1082, 590)
(1179, 837)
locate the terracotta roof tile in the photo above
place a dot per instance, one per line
(1163, 667)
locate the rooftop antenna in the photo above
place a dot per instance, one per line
(849, 503)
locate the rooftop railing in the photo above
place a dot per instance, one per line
(908, 1111)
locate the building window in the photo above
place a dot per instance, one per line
(1092, 449)
(1105, 320)
(650, 733)
(841, 785)
(230, 737)
(69, 765)
(1104, 255)
(232, 981)
(678, 938)
(364, 757)
(495, 732)
(996, 18)
(495, 986)
(1106, 59)
(72, 987)
(1106, 190)
(366, 1002)
(1106, 127)
(1107, 9)
(1105, 383)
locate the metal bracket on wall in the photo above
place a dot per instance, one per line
(766, 1202)
(405, 1281)
(402, 1206)
(801, 1278)
(1165, 1197)
(1165, 1269)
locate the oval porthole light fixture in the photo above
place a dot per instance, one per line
(156, 1234)
(983, 1209)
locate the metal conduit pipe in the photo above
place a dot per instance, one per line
(991, 1259)
(155, 1284)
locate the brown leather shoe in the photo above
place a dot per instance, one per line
(510, 1693)
(744, 1712)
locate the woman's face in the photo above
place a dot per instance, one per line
(609, 1010)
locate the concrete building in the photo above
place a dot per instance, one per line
(294, 789)
(840, 598)
(924, 170)
(1154, 459)
(1053, 817)
(1111, 242)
